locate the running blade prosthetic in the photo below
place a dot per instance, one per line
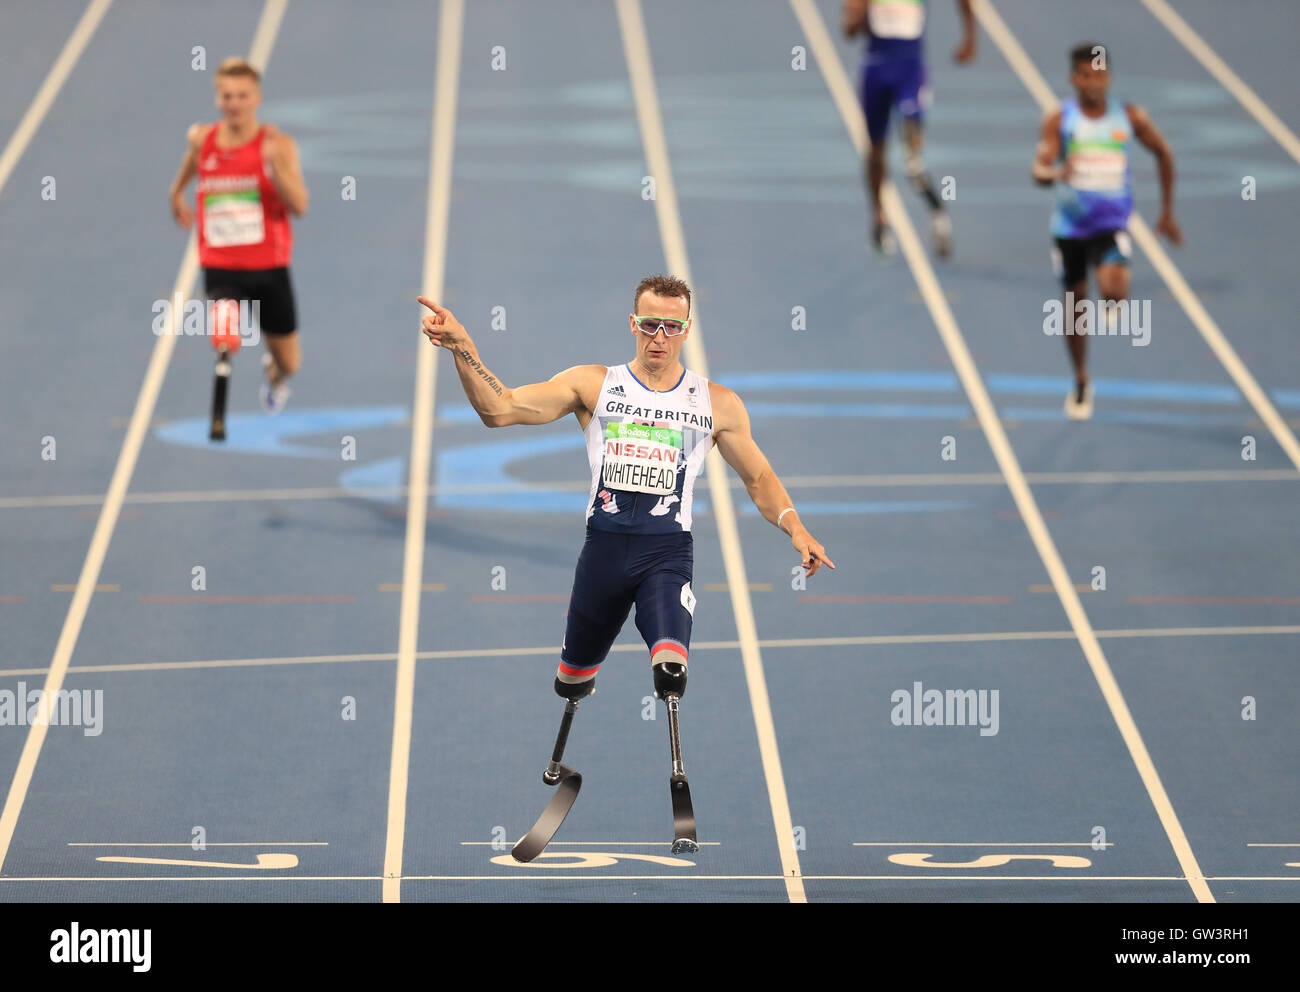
(684, 841)
(535, 841)
(567, 783)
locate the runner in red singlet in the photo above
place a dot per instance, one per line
(250, 182)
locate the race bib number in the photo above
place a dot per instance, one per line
(234, 219)
(896, 18)
(642, 459)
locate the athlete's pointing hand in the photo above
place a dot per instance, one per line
(441, 327)
(811, 553)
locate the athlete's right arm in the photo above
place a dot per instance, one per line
(189, 166)
(1046, 171)
(496, 404)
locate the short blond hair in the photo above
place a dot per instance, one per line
(237, 66)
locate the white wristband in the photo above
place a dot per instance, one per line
(782, 514)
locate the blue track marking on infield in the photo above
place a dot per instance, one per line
(258, 434)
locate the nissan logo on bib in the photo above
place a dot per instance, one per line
(642, 459)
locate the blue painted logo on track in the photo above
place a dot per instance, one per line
(256, 433)
(478, 476)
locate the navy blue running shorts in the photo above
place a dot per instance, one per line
(614, 572)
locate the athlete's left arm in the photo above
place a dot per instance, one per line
(1146, 133)
(736, 444)
(286, 171)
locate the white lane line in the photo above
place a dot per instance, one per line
(842, 91)
(1033, 80)
(450, 20)
(1228, 79)
(665, 877)
(190, 844)
(54, 80)
(1016, 635)
(268, 28)
(178, 496)
(793, 482)
(785, 642)
(263, 39)
(1198, 631)
(1191, 475)
(594, 843)
(636, 46)
(167, 666)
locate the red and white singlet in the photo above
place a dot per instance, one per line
(243, 223)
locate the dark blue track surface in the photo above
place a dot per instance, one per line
(261, 707)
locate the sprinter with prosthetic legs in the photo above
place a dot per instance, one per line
(649, 424)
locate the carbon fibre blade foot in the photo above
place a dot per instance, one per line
(535, 841)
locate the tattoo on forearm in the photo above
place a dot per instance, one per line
(483, 373)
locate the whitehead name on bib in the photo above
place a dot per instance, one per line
(642, 459)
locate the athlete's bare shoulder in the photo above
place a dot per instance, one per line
(1137, 115)
(273, 136)
(728, 410)
(586, 381)
(198, 133)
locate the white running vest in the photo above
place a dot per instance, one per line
(645, 449)
(896, 18)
